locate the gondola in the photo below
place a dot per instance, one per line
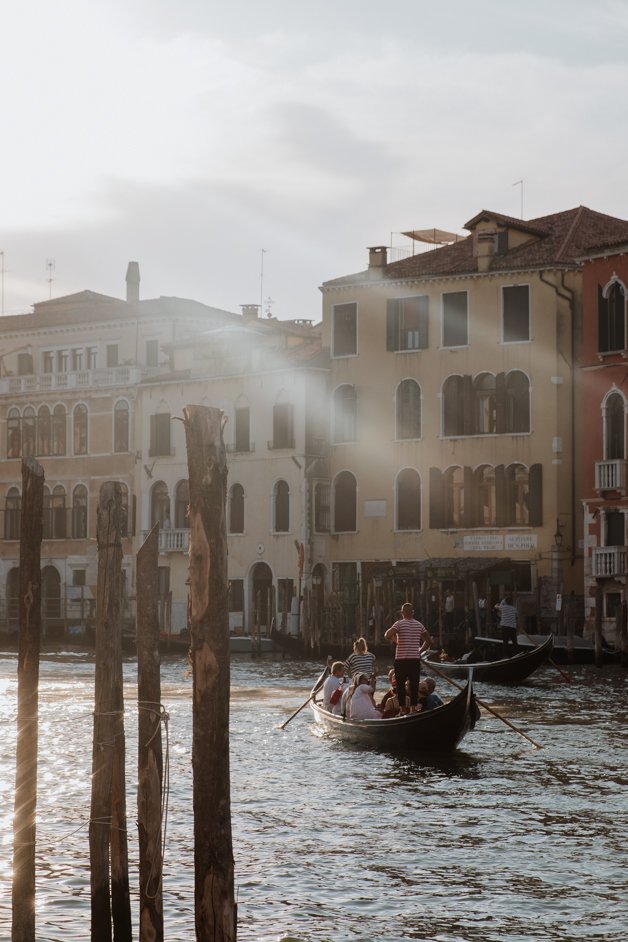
(437, 730)
(507, 670)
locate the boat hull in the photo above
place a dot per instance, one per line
(437, 730)
(508, 670)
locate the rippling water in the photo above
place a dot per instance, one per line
(499, 842)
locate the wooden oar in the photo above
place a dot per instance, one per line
(481, 703)
(563, 674)
(313, 692)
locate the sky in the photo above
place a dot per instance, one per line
(246, 152)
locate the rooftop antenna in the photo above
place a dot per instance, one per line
(261, 281)
(269, 302)
(50, 265)
(520, 183)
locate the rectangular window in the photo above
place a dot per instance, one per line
(159, 435)
(345, 330)
(406, 323)
(455, 319)
(92, 358)
(283, 425)
(516, 313)
(24, 364)
(152, 353)
(236, 595)
(242, 430)
(112, 354)
(78, 577)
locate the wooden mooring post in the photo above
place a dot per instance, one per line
(108, 846)
(31, 521)
(215, 908)
(149, 750)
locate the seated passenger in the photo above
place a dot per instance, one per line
(362, 705)
(333, 687)
(389, 704)
(361, 661)
(428, 699)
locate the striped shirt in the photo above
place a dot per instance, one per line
(508, 615)
(361, 664)
(410, 636)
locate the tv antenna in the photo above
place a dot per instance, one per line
(50, 265)
(520, 184)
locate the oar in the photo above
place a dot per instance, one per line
(313, 692)
(564, 675)
(485, 706)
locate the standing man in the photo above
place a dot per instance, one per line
(450, 605)
(411, 638)
(508, 621)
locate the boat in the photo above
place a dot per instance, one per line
(437, 730)
(574, 650)
(505, 670)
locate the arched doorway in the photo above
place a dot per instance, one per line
(262, 603)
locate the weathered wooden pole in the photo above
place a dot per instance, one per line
(215, 909)
(107, 827)
(599, 602)
(150, 760)
(31, 521)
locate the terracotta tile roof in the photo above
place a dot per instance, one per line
(558, 240)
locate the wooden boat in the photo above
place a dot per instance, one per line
(506, 670)
(437, 730)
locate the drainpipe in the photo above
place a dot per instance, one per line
(567, 295)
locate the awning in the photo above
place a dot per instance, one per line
(433, 236)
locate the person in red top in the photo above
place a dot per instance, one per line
(411, 639)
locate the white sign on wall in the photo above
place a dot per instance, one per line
(374, 508)
(483, 542)
(521, 541)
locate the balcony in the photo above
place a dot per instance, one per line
(610, 475)
(80, 379)
(172, 541)
(609, 561)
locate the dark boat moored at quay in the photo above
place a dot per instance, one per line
(437, 730)
(506, 670)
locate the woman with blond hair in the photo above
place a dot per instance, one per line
(362, 661)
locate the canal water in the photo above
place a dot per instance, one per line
(499, 842)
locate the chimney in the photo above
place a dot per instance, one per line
(485, 247)
(250, 312)
(378, 257)
(133, 282)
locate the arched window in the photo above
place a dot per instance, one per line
(517, 480)
(28, 432)
(236, 509)
(14, 434)
(281, 507)
(181, 504)
(611, 317)
(80, 429)
(12, 511)
(485, 391)
(44, 426)
(58, 431)
(453, 406)
(321, 508)
(345, 412)
(453, 495)
(518, 402)
(121, 426)
(160, 505)
(408, 409)
(283, 425)
(614, 427)
(54, 513)
(345, 503)
(79, 512)
(124, 506)
(485, 495)
(408, 500)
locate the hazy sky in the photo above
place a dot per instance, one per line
(190, 134)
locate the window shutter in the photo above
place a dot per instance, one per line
(437, 503)
(468, 406)
(536, 495)
(392, 324)
(501, 497)
(602, 321)
(501, 404)
(470, 497)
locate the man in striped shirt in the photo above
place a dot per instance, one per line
(411, 639)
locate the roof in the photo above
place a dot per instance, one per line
(559, 240)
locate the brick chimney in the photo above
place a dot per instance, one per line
(133, 282)
(250, 312)
(378, 257)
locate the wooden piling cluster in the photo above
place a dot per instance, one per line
(214, 900)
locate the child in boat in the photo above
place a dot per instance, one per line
(362, 705)
(428, 699)
(362, 661)
(333, 687)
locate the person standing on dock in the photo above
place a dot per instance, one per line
(411, 639)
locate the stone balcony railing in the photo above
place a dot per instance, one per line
(172, 541)
(79, 379)
(610, 475)
(609, 561)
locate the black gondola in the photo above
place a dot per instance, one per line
(437, 730)
(507, 670)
